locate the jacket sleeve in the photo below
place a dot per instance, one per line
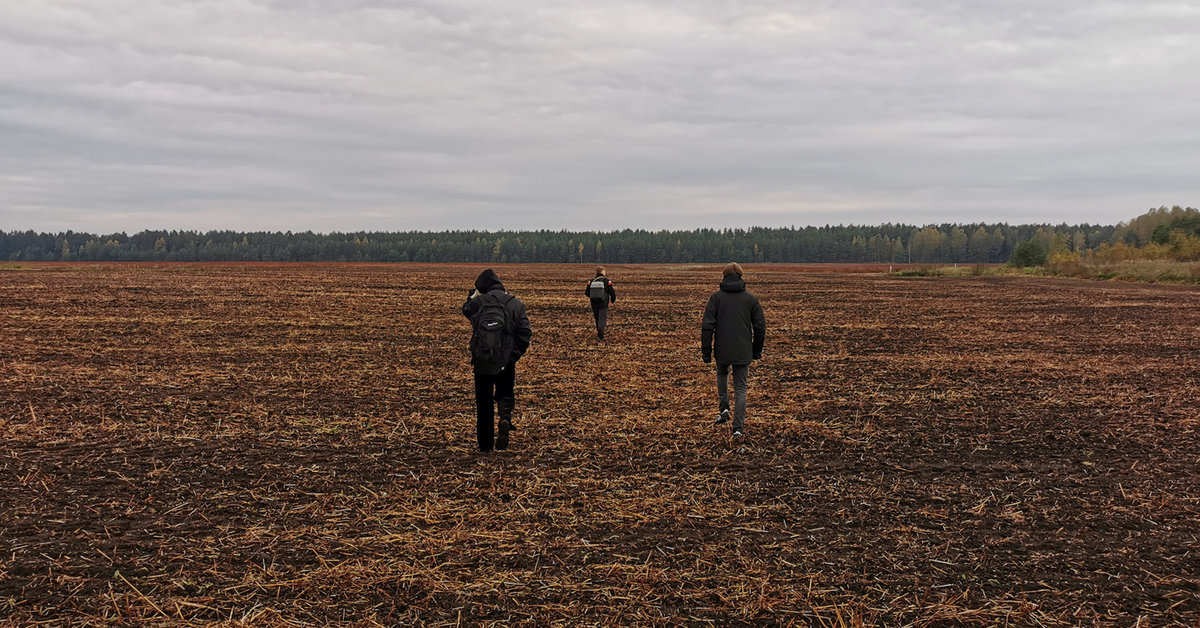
(469, 308)
(524, 333)
(760, 328)
(612, 292)
(706, 328)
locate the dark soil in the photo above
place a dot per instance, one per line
(294, 444)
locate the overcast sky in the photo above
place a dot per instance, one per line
(341, 115)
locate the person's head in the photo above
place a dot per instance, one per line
(599, 270)
(486, 280)
(732, 268)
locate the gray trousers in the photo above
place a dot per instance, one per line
(739, 391)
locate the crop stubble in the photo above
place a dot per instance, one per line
(286, 444)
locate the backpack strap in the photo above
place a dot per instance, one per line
(510, 326)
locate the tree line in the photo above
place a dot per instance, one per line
(888, 243)
(1159, 234)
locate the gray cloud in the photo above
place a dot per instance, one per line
(346, 115)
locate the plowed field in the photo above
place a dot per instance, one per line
(294, 445)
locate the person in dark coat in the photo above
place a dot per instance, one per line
(600, 303)
(733, 331)
(496, 388)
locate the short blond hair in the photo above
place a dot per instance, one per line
(599, 270)
(732, 268)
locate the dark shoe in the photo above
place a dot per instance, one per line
(724, 417)
(737, 434)
(502, 434)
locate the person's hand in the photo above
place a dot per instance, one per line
(707, 359)
(758, 356)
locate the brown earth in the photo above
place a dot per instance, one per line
(293, 444)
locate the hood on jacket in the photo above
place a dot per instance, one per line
(487, 281)
(733, 283)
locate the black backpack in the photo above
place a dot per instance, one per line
(491, 347)
(596, 288)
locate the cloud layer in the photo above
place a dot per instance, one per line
(365, 114)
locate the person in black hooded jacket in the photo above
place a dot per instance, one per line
(600, 304)
(733, 330)
(496, 387)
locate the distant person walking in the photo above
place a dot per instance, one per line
(601, 292)
(733, 331)
(500, 334)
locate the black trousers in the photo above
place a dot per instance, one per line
(493, 392)
(600, 313)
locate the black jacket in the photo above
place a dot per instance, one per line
(609, 291)
(489, 283)
(733, 321)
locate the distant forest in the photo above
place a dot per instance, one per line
(889, 243)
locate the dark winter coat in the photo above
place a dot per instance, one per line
(609, 292)
(489, 283)
(734, 328)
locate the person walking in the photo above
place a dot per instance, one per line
(601, 292)
(733, 331)
(500, 335)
